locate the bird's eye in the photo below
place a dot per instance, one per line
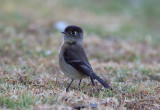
(74, 32)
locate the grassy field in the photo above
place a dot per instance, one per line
(121, 41)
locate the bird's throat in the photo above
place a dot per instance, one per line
(71, 43)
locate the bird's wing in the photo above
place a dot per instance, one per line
(76, 57)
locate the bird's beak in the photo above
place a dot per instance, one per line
(64, 32)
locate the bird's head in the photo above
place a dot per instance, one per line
(73, 34)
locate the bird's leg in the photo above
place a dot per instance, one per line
(92, 81)
(69, 85)
(79, 83)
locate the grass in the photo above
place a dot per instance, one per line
(121, 51)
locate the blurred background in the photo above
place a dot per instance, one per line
(127, 29)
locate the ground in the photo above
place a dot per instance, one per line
(122, 47)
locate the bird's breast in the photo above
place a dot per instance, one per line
(67, 69)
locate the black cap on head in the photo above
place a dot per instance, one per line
(73, 28)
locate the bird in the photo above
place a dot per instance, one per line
(73, 61)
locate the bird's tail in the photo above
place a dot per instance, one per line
(101, 81)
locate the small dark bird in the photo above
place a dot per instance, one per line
(72, 58)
